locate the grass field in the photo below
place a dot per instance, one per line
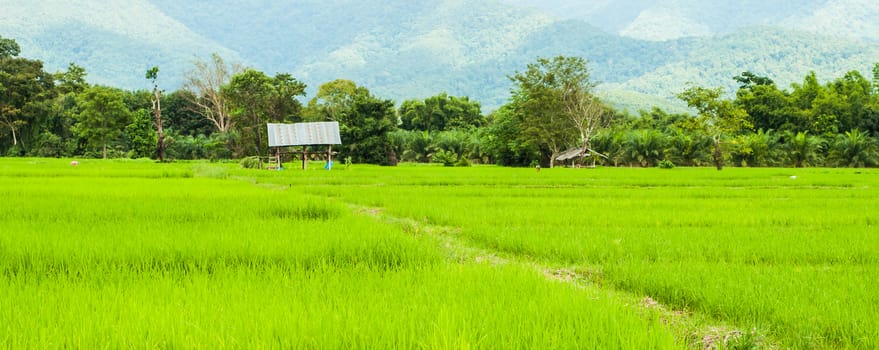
(138, 254)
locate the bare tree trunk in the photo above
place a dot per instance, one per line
(104, 151)
(14, 138)
(160, 131)
(718, 154)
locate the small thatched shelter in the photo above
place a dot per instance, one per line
(577, 155)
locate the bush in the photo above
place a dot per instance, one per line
(250, 162)
(463, 162)
(447, 158)
(666, 164)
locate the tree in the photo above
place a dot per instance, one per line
(505, 141)
(588, 115)
(802, 148)
(248, 93)
(181, 117)
(334, 100)
(876, 79)
(756, 149)
(768, 107)
(103, 115)
(853, 92)
(72, 80)
(24, 86)
(257, 99)
(645, 147)
(8, 48)
(284, 105)
(140, 136)
(854, 149)
(205, 84)
(688, 148)
(364, 120)
(718, 118)
(555, 97)
(440, 113)
(153, 74)
(748, 80)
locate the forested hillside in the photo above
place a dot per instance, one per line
(671, 19)
(404, 49)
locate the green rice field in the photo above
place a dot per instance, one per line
(135, 254)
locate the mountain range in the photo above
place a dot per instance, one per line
(642, 51)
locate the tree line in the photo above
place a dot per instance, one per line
(221, 110)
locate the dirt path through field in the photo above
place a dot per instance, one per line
(696, 331)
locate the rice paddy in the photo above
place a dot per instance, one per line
(203, 255)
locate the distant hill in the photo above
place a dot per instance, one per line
(643, 51)
(673, 19)
(116, 40)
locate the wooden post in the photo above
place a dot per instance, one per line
(330, 155)
(304, 157)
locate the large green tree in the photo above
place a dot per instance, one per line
(24, 89)
(102, 117)
(257, 99)
(365, 121)
(768, 107)
(718, 118)
(555, 98)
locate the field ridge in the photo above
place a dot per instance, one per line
(697, 331)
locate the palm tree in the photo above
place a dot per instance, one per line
(854, 149)
(689, 149)
(756, 149)
(646, 147)
(803, 149)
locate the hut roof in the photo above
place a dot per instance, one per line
(573, 153)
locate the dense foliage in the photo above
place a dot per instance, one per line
(222, 114)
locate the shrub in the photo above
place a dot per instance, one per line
(249, 162)
(666, 164)
(447, 158)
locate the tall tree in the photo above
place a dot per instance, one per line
(284, 105)
(72, 80)
(334, 100)
(718, 118)
(181, 117)
(248, 94)
(24, 85)
(153, 74)
(505, 140)
(768, 107)
(205, 84)
(103, 115)
(555, 96)
(257, 99)
(365, 121)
